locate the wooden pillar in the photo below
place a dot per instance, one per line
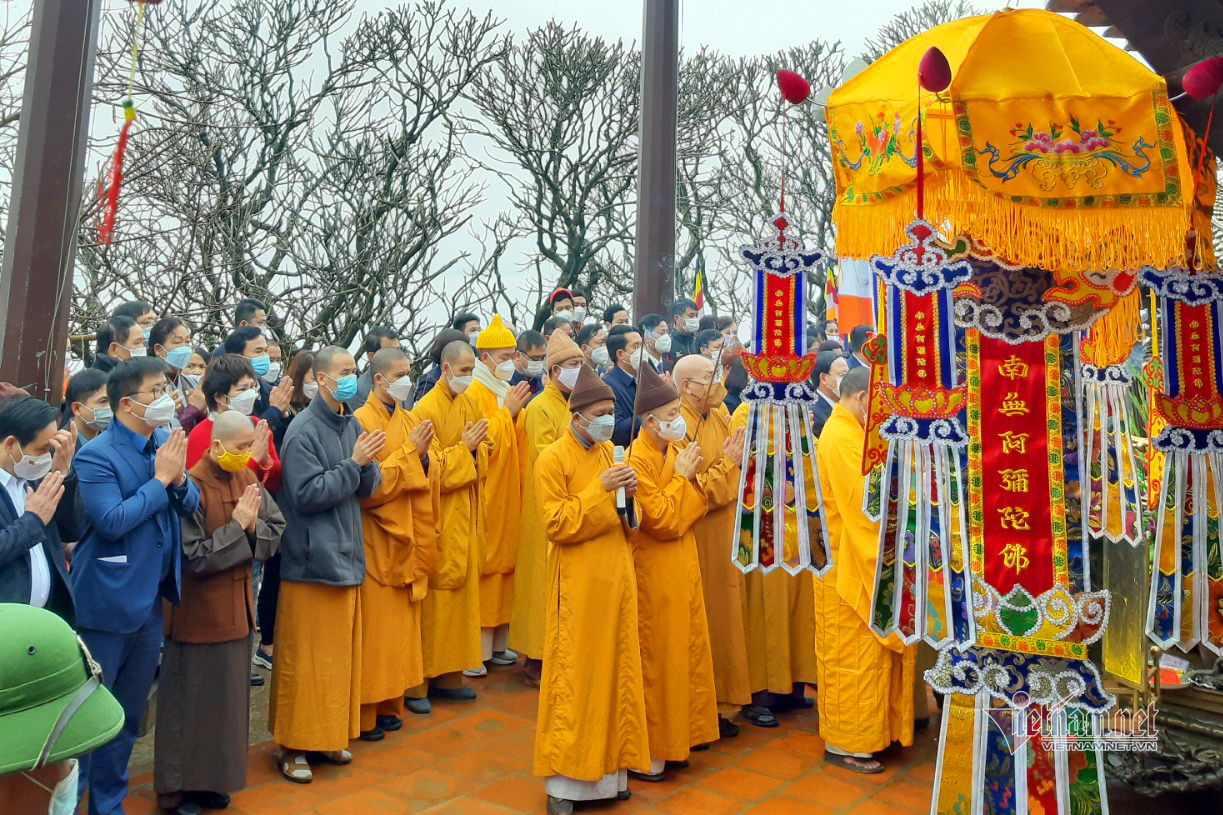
(654, 273)
(40, 241)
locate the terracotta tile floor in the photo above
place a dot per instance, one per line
(474, 758)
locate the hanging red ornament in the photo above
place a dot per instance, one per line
(934, 72)
(109, 194)
(794, 89)
(1202, 80)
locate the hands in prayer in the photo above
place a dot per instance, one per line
(246, 511)
(43, 501)
(420, 437)
(688, 461)
(368, 445)
(170, 462)
(474, 433)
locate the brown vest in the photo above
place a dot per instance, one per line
(215, 607)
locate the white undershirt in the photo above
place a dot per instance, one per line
(40, 571)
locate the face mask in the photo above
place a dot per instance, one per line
(148, 332)
(713, 356)
(273, 374)
(691, 324)
(400, 389)
(159, 412)
(101, 418)
(535, 367)
(568, 377)
(566, 315)
(133, 353)
(458, 384)
(232, 462)
(836, 384)
(634, 359)
(600, 427)
(31, 468)
(345, 387)
(63, 797)
(244, 402)
(673, 430)
(505, 370)
(176, 358)
(717, 394)
(579, 313)
(190, 380)
(663, 344)
(600, 357)
(310, 390)
(260, 364)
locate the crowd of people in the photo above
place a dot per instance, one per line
(563, 501)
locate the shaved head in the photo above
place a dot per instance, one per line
(456, 352)
(855, 382)
(231, 427)
(328, 357)
(692, 366)
(385, 360)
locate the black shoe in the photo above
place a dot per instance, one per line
(256, 680)
(453, 694)
(677, 765)
(759, 716)
(624, 795)
(210, 800)
(727, 729)
(389, 723)
(792, 701)
(652, 778)
(187, 807)
(421, 707)
(373, 735)
(700, 748)
(559, 806)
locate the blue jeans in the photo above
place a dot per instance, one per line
(129, 663)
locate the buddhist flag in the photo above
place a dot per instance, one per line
(697, 296)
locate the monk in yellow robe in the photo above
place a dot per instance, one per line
(500, 487)
(450, 618)
(866, 684)
(540, 423)
(708, 426)
(780, 618)
(400, 541)
(591, 726)
(676, 663)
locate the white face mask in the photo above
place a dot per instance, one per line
(310, 390)
(273, 374)
(458, 384)
(579, 313)
(101, 418)
(189, 380)
(31, 468)
(505, 370)
(600, 356)
(566, 315)
(134, 353)
(634, 360)
(663, 344)
(535, 367)
(159, 412)
(673, 430)
(244, 402)
(691, 324)
(600, 427)
(63, 797)
(568, 377)
(836, 384)
(400, 389)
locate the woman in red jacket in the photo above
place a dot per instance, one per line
(230, 384)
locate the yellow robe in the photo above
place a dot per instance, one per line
(780, 618)
(592, 718)
(399, 532)
(721, 581)
(450, 618)
(865, 693)
(540, 423)
(676, 663)
(500, 491)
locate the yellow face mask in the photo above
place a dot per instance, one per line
(232, 462)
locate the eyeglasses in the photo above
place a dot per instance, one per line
(156, 393)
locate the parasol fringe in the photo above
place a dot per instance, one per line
(1111, 337)
(1064, 239)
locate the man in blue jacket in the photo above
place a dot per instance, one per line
(624, 347)
(134, 489)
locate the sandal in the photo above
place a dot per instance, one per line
(760, 716)
(295, 768)
(340, 757)
(865, 766)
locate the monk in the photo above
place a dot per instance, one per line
(540, 423)
(780, 619)
(400, 535)
(708, 426)
(327, 466)
(500, 487)
(450, 617)
(865, 684)
(676, 663)
(591, 726)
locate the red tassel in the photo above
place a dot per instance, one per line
(110, 195)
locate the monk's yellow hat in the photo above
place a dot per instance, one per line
(495, 336)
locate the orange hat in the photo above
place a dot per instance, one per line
(561, 349)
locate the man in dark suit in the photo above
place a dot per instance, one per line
(134, 490)
(829, 368)
(857, 339)
(37, 506)
(624, 347)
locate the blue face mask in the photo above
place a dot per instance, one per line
(345, 387)
(261, 363)
(177, 358)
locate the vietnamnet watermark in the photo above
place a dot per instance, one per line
(1058, 727)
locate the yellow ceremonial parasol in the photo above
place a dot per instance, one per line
(1050, 146)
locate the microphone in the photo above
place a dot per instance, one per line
(618, 458)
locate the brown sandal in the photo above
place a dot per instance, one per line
(865, 766)
(296, 768)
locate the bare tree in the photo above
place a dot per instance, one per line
(14, 47)
(914, 21)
